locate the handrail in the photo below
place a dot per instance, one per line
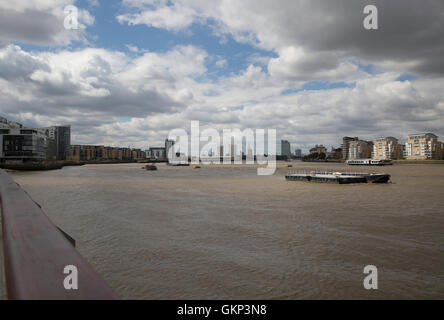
(36, 253)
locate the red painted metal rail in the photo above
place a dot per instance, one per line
(36, 253)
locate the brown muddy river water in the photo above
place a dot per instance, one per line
(222, 232)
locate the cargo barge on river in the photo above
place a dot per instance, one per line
(338, 177)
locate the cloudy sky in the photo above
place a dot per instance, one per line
(135, 69)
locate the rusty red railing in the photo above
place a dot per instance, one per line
(35, 253)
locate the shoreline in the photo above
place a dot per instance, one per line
(418, 161)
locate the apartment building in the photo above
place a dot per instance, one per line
(387, 148)
(345, 146)
(359, 149)
(21, 144)
(421, 146)
(100, 152)
(318, 149)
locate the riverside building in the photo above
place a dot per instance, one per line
(62, 137)
(346, 145)
(422, 146)
(387, 148)
(104, 153)
(19, 144)
(318, 149)
(359, 149)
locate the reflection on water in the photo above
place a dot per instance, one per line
(223, 232)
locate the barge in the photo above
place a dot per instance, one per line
(339, 177)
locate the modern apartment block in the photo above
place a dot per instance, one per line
(286, 149)
(359, 149)
(421, 146)
(21, 144)
(62, 137)
(345, 146)
(387, 148)
(157, 153)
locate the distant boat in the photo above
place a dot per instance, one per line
(369, 162)
(150, 167)
(339, 177)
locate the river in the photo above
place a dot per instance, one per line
(222, 232)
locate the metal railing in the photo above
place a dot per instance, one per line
(35, 253)
(2, 273)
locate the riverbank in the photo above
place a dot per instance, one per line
(325, 160)
(32, 166)
(418, 161)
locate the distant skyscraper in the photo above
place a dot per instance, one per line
(286, 149)
(233, 150)
(298, 153)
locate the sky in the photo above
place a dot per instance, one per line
(136, 69)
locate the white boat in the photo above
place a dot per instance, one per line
(369, 162)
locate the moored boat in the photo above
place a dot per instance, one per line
(369, 162)
(150, 167)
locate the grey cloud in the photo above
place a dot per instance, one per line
(17, 64)
(409, 31)
(30, 26)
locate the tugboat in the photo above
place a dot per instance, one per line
(339, 177)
